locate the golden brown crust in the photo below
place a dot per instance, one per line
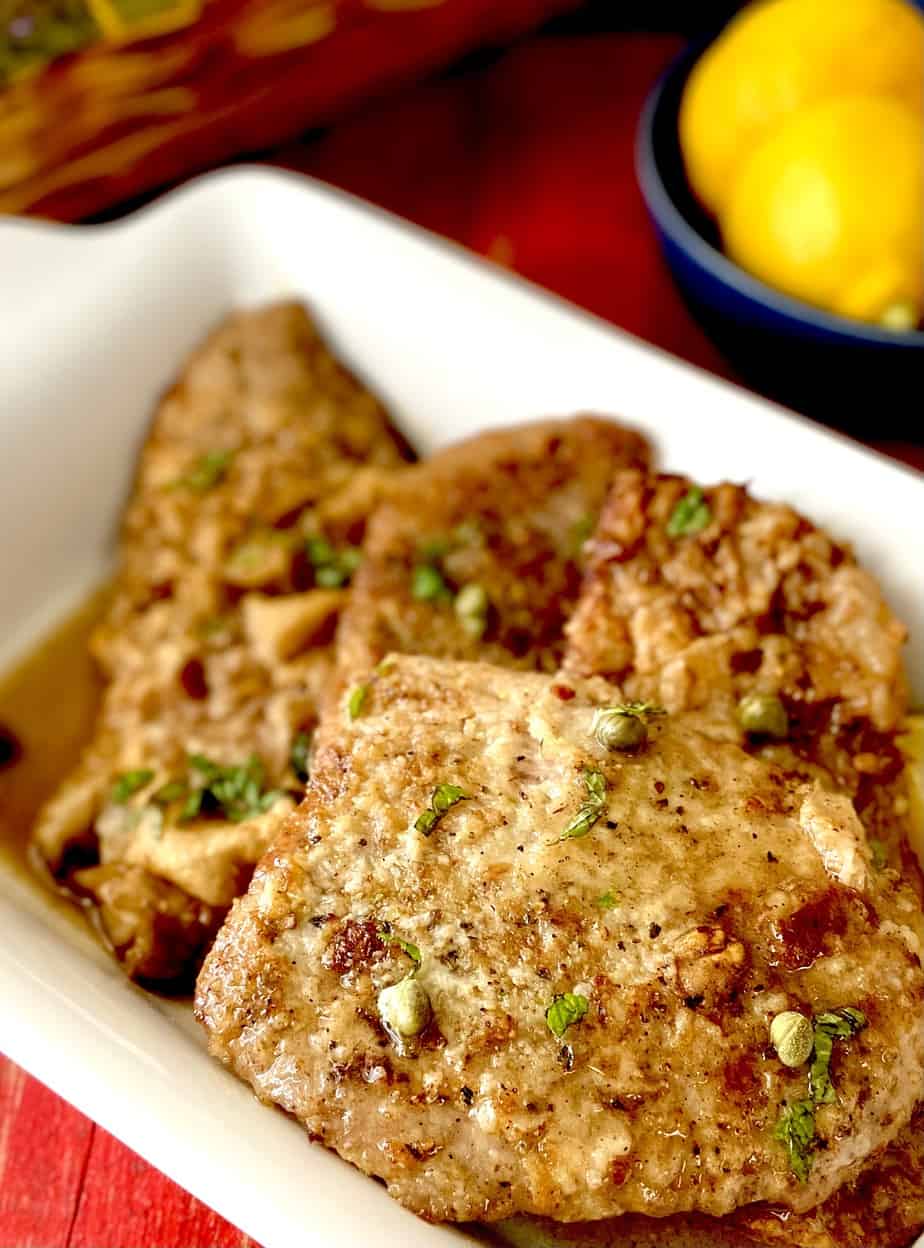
(759, 598)
(663, 1097)
(290, 428)
(219, 639)
(507, 511)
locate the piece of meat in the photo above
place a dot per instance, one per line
(158, 932)
(882, 1208)
(670, 912)
(759, 600)
(262, 466)
(495, 524)
(263, 428)
(756, 600)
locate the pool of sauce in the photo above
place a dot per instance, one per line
(48, 704)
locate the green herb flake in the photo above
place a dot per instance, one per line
(607, 901)
(130, 782)
(580, 532)
(333, 567)
(879, 855)
(433, 549)
(566, 1009)
(640, 710)
(429, 585)
(391, 938)
(833, 1025)
(235, 792)
(172, 791)
(357, 700)
(591, 810)
(206, 472)
(795, 1129)
(299, 755)
(690, 516)
(445, 796)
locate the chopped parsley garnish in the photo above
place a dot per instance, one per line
(639, 710)
(566, 1008)
(130, 782)
(428, 579)
(795, 1127)
(332, 567)
(879, 855)
(429, 585)
(432, 549)
(608, 900)
(580, 532)
(357, 700)
(391, 938)
(691, 514)
(831, 1026)
(299, 755)
(591, 810)
(172, 791)
(207, 471)
(235, 792)
(445, 796)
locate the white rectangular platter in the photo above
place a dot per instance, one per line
(95, 323)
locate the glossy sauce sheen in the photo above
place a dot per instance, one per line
(48, 704)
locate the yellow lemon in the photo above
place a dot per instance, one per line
(780, 55)
(912, 743)
(830, 209)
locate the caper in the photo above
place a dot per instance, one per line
(404, 1008)
(471, 608)
(793, 1037)
(616, 729)
(763, 714)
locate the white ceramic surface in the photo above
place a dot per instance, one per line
(95, 322)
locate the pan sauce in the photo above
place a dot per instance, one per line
(48, 702)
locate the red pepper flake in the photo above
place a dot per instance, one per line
(192, 678)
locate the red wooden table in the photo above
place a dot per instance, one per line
(528, 160)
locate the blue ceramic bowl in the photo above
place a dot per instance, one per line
(841, 371)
